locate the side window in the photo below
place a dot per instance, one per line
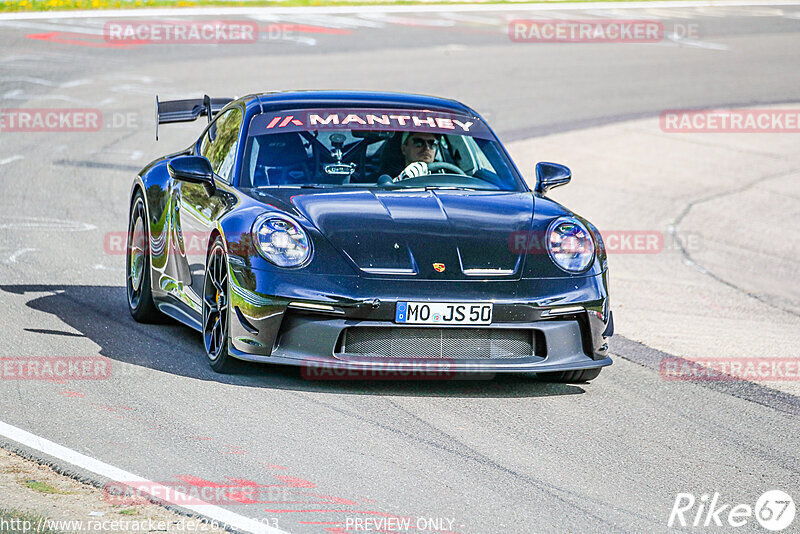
(220, 143)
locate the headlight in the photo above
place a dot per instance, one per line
(281, 240)
(570, 245)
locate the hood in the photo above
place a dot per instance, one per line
(436, 235)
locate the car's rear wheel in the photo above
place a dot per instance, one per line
(137, 265)
(582, 375)
(216, 309)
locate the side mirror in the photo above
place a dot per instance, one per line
(194, 170)
(550, 175)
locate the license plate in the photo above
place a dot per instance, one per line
(443, 313)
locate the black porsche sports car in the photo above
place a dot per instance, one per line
(364, 231)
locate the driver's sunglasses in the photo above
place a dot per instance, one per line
(421, 143)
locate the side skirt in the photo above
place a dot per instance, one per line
(180, 313)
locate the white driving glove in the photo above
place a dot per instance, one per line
(413, 170)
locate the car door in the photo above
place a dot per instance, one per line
(199, 210)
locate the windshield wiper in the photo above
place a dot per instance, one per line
(295, 186)
(451, 187)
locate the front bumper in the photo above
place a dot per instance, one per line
(302, 320)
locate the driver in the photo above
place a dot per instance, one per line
(418, 149)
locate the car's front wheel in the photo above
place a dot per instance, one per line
(137, 265)
(216, 309)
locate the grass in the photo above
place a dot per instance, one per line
(62, 5)
(14, 470)
(129, 511)
(43, 487)
(17, 522)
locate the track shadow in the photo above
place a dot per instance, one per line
(100, 313)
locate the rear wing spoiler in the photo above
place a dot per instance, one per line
(188, 110)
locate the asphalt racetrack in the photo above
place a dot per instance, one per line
(507, 455)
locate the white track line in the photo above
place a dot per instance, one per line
(15, 256)
(42, 81)
(96, 29)
(110, 472)
(686, 41)
(447, 8)
(15, 157)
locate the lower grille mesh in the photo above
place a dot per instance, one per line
(451, 343)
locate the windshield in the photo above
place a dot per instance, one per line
(387, 148)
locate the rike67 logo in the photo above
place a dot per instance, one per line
(774, 511)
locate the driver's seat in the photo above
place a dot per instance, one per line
(281, 159)
(392, 161)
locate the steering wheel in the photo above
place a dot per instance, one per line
(437, 166)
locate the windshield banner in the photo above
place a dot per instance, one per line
(404, 120)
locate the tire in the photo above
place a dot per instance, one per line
(582, 375)
(137, 265)
(216, 309)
